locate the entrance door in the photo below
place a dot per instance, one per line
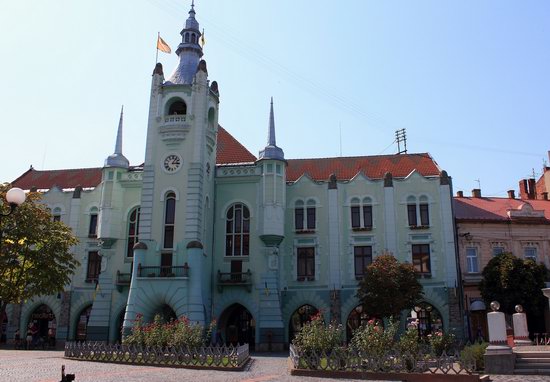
(240, 326)
(82, 326)
(300, 316)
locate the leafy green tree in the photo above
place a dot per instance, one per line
(35, 257)
(511, 281)
(388, 287)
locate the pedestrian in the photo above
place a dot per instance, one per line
(17, 339)
(29, 337)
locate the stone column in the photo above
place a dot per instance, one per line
(521, 333)
(499, 358)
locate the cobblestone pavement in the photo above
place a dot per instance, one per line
(45, 366)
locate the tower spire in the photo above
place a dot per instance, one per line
(189, 51)
(272, 151)
(117, 159)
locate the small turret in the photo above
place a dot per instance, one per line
(117, 159)
(189, 51)
(272, 151)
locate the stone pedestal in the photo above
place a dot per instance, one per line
(521, 333)
(499, 358)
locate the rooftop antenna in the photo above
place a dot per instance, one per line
(401, 137)
(340, 125)
(478, 183)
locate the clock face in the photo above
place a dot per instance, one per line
(172, 162)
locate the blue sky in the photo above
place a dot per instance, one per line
(469, 80)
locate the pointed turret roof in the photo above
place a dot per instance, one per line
(189, 51)
(272, 151)
(117, 159)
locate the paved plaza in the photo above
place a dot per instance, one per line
(45, 366)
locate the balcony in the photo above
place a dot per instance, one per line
(174, 128)
(227, 279)
(163, 271)
(122, 280)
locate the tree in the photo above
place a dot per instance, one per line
(35, 256)
(512, 281)
(388, 287)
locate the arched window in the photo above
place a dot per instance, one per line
(169, 220)
(193, 38)
(426, 318)
(299, 318)
(361, 213)
(187, 37)
(177, 108)
(92, 228)
(304, 219)
(237, 231)
(414, 210)
(133, 231)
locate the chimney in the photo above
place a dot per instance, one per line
(511, 194)
(476, 193)
(459, 194)
(544, 195)
(532, 192)
(523, 189)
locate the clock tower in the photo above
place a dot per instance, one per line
(178, 186)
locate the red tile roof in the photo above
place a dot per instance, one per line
(373, 166)
(229, 151)
(85, 177)
(494, 209)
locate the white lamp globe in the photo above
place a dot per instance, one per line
(15, 196)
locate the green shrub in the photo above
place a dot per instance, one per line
(315, 336)
(440, 342)
(177, 333)
(409, 342)
(372, 339)
(475, 353)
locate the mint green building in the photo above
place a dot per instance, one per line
(204, 228)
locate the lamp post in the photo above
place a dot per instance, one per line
(15, 197)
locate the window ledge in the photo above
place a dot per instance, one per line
(304, 231)
(361, 229)
(301, 278)
(91, 280)
(424, 275)
(419, 227)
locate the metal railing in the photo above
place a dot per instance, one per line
(163, 271)
(123, 278)
(347, 359)
(235, 279)
(229, 357)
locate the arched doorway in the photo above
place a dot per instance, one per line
(82, 323)
(426, 318)
(43, 324)
(238, 326)
(356, 318)
(120, 324)
(300, 316)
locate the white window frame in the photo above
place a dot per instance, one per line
(472, 261)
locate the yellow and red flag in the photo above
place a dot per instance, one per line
(163, 46)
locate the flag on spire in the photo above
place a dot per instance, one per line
(202, 40)
(163, 46)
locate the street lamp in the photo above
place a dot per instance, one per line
(15, 197)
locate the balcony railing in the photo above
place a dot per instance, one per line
(163, 271)
(226, 279)
(123, 278)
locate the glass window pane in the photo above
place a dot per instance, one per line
(411, 209)
(355, 217)
(424, 215)
(299, 218)
(367, 216)
(311, 218)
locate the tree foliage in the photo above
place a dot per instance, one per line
(35, 257)
(388, 287)
(511, 281)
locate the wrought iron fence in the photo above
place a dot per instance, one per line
(230, 357)
(347, 359)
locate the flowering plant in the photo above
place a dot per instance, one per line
(372, 339)
(441, 342)
(315, 336)
(176, 333)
